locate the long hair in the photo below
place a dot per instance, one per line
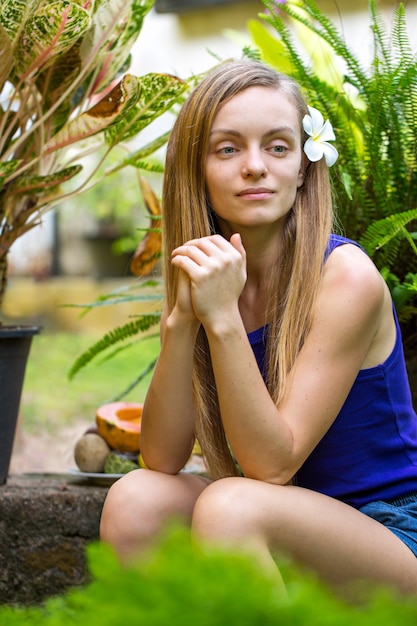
(293, 286)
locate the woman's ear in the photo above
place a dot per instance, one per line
(302, 172)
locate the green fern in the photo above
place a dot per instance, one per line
(376, 129)
(381, 233)
(110, 339)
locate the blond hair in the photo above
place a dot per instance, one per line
(186, 215)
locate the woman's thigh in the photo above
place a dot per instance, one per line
(137, 506)
(332, 538)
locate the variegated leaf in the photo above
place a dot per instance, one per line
(117, 25)
(53, 84)
(159, 92)
(100, 42)
(26, 185)
(13, 16)
(50, 32)
(111, 108)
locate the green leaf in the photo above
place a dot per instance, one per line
(273, 50)
(148, 149)
(158, 93)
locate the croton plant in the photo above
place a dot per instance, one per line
(64, 93)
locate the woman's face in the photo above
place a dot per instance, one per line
(253, 167)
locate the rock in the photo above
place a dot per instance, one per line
(90, 453)
(45, 526)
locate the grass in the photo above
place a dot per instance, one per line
(50, 400)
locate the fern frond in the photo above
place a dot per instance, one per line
(383, 231)
(400, 39)
(320, 24)
(382, 44)
(119, 334)
(126, 346)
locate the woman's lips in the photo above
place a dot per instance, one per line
(255, 193)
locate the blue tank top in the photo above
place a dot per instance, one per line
(370, 451)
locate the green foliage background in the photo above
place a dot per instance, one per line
(192, 585)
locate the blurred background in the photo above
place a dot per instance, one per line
(83, 249)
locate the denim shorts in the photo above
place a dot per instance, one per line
(399, 515)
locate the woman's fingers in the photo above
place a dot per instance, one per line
(216, 269)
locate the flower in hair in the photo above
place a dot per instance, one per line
(321, 133)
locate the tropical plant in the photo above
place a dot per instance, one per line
(374, 112)
(63, 95)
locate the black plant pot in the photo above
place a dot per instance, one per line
(15, 342)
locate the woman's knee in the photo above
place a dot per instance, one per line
(138, 504)
(224, 509)
(123, 507)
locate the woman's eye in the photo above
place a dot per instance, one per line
(227, 150)
(278, 149)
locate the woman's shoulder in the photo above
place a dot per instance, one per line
(350, 274)
(355, 294)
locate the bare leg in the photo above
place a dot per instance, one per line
(138, 504)
(338, 542)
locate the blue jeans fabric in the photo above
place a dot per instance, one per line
(399, 515)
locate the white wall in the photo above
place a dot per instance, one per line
(180, 43)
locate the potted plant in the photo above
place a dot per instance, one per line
(64, 94)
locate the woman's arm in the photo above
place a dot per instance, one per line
(271, 442)
(167, 433)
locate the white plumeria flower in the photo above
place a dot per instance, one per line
(320, 133)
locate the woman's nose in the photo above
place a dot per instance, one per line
(254, 164)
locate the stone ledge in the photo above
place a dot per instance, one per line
(46, 523)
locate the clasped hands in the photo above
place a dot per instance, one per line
(211, 277)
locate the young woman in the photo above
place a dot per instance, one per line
(280, 352)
